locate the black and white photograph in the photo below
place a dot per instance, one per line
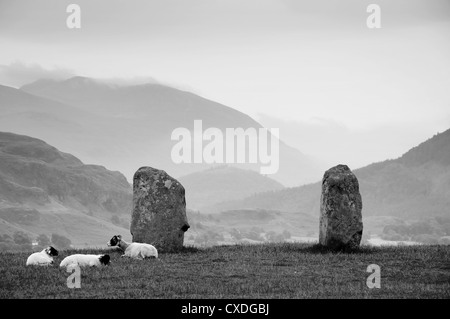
(224, 154)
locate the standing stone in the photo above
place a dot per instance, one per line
(159, 210)
(341, 224)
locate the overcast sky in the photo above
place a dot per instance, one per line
(312, 68)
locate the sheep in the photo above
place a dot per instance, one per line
(133, 250)
(85, 260)
(42, 258)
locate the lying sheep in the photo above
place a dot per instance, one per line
(85, 260)
(133, 250)
(42, 258)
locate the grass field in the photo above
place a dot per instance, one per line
(256, 271)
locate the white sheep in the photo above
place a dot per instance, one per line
(42, 258)
(85, 260)
(133, 250)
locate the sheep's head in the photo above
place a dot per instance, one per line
(114, 241)
(51, 251)
(105, 259)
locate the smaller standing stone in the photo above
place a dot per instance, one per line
(341, 224)
(159, 210)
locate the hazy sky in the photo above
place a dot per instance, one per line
(311, 67)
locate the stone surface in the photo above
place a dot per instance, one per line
(341, 224)
(159, 210)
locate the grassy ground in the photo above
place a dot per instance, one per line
(260, 271)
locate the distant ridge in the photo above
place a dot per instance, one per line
(413, 186)
(132, 124)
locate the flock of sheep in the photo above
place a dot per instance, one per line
(132, 250)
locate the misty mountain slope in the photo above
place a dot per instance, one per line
(30, 163)
(67, 127)
(43, 190)
(413, 186)
(223, 183)
(14, 100)
(144, 117)
(138, 101)
(435, 150)
(97, 139)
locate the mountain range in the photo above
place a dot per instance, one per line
(126, 127)
(413, 186)
(44, 190)
(45, 187)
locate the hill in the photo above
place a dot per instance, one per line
(44, 190)
(223, 183)
(70, 129)
(414, 186)
(132, 126)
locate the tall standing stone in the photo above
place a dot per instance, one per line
(159, 210)
(341, 224)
